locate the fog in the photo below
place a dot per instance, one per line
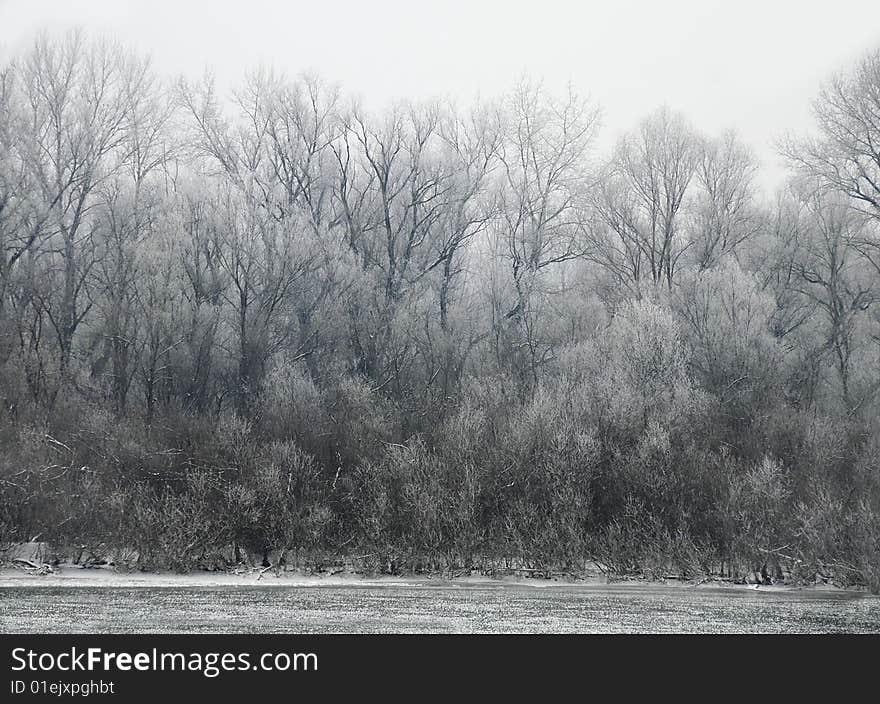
(755, 69)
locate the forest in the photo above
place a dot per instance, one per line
(272, 326)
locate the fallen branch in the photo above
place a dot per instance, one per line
(28, 565)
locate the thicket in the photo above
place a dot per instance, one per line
(272, 327)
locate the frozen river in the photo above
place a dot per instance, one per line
(434, 608)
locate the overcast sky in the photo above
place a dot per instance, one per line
(754, 65)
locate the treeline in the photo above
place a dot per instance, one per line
(432, 338)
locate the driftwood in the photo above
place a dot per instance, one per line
(276, 566)
(546, 573)
(44, 568)
(711, 579)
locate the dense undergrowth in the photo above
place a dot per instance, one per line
(603, 464)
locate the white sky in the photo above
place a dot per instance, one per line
(754, 65)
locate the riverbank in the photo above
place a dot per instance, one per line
(70, 575)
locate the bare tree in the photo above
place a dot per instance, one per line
(546, 175)
(831, 275)
(641, 230)
(468, 145)
(80, 100)
(543, 156)
(471, 144)
(845, 156)
(267, 209)
(131, 201)
(394, 193)
(726, 214)
(20, 220)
